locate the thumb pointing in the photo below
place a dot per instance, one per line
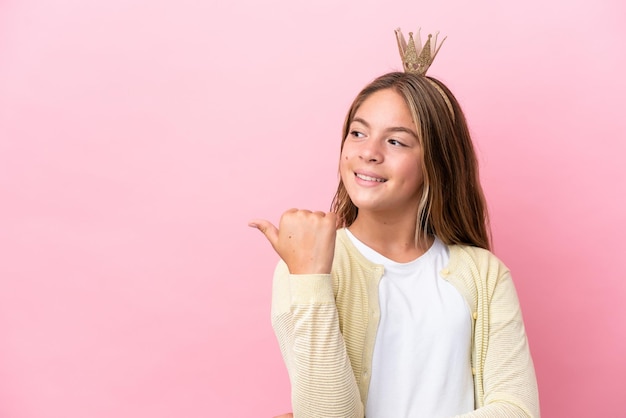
(267, 228)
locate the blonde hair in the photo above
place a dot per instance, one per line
(452, 205)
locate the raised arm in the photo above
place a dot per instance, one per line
(305, 318)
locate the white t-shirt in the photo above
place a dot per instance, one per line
(421, 365)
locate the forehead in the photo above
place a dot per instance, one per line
(385, 107)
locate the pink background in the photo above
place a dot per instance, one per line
(138, 137)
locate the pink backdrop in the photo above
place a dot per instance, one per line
(138, 137)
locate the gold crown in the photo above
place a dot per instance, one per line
(416, 60)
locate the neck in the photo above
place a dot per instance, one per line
(392, 237)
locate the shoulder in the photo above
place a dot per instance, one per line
(477, 265)
(467, 256)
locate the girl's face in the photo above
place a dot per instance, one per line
(381, 159)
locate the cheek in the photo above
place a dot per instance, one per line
(419, 176)
(344, 165)
(344, 157)
(348, 151)
(413, 173)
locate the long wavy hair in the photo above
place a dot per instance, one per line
(452, 205)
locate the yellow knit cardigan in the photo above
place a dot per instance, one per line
(326, 327)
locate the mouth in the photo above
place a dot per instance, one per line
(370, 178)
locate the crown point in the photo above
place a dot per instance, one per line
(417, 57)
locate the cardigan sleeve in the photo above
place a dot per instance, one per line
(306, 323)
(509, 382)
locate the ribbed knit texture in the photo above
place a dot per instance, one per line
(326, 327)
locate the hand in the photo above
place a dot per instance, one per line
(305, 240)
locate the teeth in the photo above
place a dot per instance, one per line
(368, 178)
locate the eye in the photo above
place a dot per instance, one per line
(396, 142)
(357, 134)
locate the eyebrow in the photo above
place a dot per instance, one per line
(391, 129)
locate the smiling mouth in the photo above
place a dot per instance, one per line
(368, 178)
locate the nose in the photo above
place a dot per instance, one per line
(371, 151)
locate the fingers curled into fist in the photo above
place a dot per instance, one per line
(305, 240)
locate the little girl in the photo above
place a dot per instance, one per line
(391, 305)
